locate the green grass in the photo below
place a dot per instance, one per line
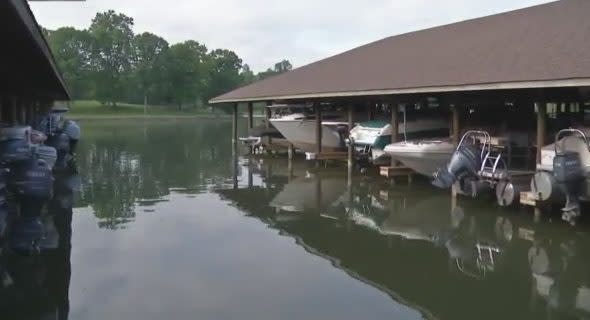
(91, 107)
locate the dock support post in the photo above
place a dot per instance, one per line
(370, 111)
(235, 145)
(31, 113)
(318, 194)
(23, 112)
(350, 155)
(13, 114)
(318, 130)
(455, 124)
(267, 114)
(250, 122)
(250, 176)
(250, 115)
(394, 128)
(541, 126)
(234, 126)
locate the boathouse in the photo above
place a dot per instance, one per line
(30, 80)
(518, 65)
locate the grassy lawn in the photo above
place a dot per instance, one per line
(90, 107)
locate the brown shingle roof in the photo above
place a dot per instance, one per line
(531, 47)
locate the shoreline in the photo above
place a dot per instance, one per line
(83, 117)
(144, 117)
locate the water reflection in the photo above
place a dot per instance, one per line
(35, 286)
(448, 260)
(124, 166)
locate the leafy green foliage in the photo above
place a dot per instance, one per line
(108, 62)
(279, 68)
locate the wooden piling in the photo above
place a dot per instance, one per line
(250, 122)
(541, 127)
(250, 115)
(23, 112)
(394, 128)
(235, 145)
(318, 128)
(350, 159)
(267, 114)
(13, 113)
(455, 124)
(234, 127)
(318, 195)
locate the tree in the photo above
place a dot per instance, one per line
(149, 61)
(283, 66)
(223, 68)
(184, 71)
(247, 75)
(112, 53)
(279, 67)
(71, 49)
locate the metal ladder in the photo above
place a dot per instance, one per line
(491, 163)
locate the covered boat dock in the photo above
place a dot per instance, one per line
(527, 69)
(30, 80)
(526, 58)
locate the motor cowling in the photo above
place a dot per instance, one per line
(72, 130)
(32, 179)
(466, 161)
(47, 153)
(14, 150)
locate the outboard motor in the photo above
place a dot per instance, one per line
(569, 175)
(63, 135)
(15, 144)
(465, 162)
(61, 143)
(72, 130)
(46, 153)
(31, 181)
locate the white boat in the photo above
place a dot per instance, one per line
(298, 125)
(371, 137)
(425, 156)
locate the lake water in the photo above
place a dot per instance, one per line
(162, 229)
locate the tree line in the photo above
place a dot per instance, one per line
(108, 62)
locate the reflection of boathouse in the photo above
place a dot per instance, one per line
(448, 262)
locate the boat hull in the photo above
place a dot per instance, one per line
(424, 157)
(301, 133)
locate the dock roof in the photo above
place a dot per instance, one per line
(535, 47)
(27, 65)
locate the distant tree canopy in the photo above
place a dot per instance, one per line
(279, 67)
(108, 62)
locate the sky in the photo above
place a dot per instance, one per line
(263, 32)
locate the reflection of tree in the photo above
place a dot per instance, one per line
(124, 162)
